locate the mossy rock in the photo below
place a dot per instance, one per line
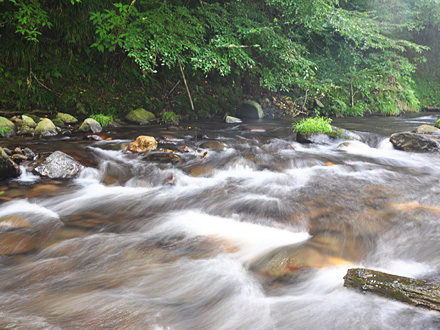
(29, 121)
(90, 124)
(58, 122)
(66, 118)
(427, 129)
(7, 127)
(140, 116)
(46, 128)
(437, 123)
(35, 118)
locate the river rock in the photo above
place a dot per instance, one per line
(46, 128)
(250, 109)
(427, 129)
(26, 126)
(66, 118)
(409, 141)
(437, 123)
(232, 120)
(58, 166)
(143, 143)
(140, 116)
(7, 127)
(90, 124)
(213, 144)
(338, 135)
(8, 168)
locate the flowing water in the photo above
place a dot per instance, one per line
(255, 236)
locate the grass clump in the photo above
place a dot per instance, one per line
(313, 125)
(103, 120)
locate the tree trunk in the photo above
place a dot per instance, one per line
(404, 289)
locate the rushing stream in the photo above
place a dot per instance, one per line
(139, 244)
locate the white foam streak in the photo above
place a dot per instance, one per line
(24, 207)
(250, 239)
(26, 177)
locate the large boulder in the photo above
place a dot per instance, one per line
(139, 116)
(46, 128)
(66, 118)
(409, 141)
(58, 166)
(7, 127)
(250, 109)
(8, 168)
(90, 125)
(143, 143)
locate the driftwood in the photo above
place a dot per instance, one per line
(404, 289)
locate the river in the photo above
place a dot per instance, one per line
(133, 243)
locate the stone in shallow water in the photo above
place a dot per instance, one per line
(90, 125)
(408, 141)
(46, 128)
(143, 143)
(59, 166)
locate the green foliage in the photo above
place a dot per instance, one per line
(313, 125)
(356, 56)
(3, 130)
(169, 117)
(102, 119)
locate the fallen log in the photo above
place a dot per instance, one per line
(418, 293)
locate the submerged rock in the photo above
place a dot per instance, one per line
(250, 109)
(213, 144)
(409, 141)
(8, 168)
(58, 166)
(46, 128)
(163, 157)
(140, 116)
(284, 263)
(90, 125)
(143, 143)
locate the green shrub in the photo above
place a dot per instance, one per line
(313, 125)
(103, 120)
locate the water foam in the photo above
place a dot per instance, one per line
(248, 239)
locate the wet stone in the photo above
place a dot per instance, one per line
(58, 166)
